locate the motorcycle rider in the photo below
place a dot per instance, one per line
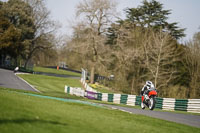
(145, 90)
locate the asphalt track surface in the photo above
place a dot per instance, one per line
(9, 80)
(187, 119)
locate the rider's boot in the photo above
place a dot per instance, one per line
(142, 105)
(146, 97)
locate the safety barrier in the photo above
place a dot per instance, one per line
(193, 105)
(131, 100)
(190, 105)
(168, 104)
(116, 98)
(91, 95)
(75, 91)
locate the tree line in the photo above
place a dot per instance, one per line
(26, 31)
(143, 46)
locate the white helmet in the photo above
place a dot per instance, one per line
(149, 85)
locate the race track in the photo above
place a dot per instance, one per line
(187, 119)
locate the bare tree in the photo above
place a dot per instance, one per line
(127, 53)
(44, 28)
(97, 14)
(80, 45)
(192, 62)
(160, 56)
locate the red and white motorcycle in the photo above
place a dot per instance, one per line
(150, 100)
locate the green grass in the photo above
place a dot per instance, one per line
(21, 113)
(104, 89)
(55, 71)
(49, 85)
(54, 86)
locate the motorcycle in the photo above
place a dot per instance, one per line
(150, 100)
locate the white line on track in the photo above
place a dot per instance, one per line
(27, 82)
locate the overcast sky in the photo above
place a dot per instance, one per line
(185, 12)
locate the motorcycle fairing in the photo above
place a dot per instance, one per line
(152, 93)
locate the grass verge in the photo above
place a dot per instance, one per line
(55, 71)
(23, 113)
(49, 85)
(104, 89)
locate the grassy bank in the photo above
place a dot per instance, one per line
(23, 113)
(99, 88)
(55, 71)
(50, 85)
(54, 86)
(104, 89)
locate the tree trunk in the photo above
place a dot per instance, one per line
(26, 62)
(15, 62)
(132, 86)
(92, 75)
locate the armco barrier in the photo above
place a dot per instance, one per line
(189, 105)
(168, 104)
(193, 105)
(123, 99)
(110, 97)
(181, 104)
(99, 96)
(138, 100)
(74, 91)
(131, 100)
(91, 95)
(116, 98)
(159, 102)
(104, 97)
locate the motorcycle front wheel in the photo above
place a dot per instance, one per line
(152, 103)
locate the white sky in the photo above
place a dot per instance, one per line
(185, 12)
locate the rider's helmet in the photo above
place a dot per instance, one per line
(149, 85)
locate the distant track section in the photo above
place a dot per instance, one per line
(8, 79)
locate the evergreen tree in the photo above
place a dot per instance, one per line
(151, 14)
(16, 27)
